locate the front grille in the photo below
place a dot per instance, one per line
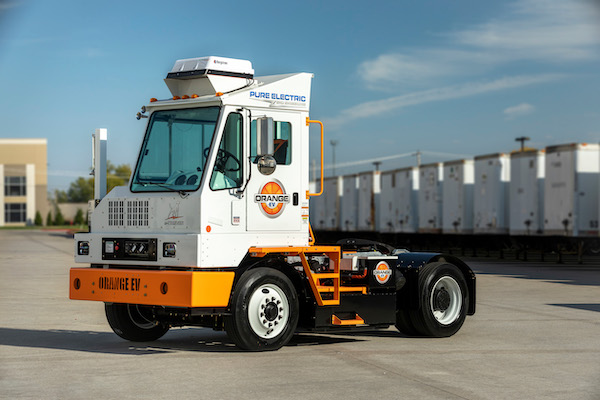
(137, 212)
(130, 213)
(115, 213)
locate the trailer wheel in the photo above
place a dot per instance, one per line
(443, 298)
(264, 310)
(134, 322)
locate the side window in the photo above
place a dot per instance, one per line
(227, 173)
(282, 142)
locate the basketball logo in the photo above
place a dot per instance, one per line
(272, 198)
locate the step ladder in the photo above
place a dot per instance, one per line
(357, 320)
(315, 278)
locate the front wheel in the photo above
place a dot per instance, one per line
(443, 299)
(134, 322)
(264, 310)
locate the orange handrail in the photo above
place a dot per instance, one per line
(308, 122)
(311, 240)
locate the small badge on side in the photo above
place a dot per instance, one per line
(382, 272)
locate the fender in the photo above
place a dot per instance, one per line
(410, 264)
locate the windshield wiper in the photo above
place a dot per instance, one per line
(161, 184)
(182, 193)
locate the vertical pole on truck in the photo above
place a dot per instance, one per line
(308, 122)
(99, 139)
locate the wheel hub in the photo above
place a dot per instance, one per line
(446, 301)
(268, 311)
(441, 299)
(271, 311)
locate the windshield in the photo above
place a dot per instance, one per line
(174, 151)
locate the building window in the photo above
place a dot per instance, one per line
(15, 212)
(15, 186)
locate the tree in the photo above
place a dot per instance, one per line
(38, 219)
(60, 196)
(82, 190)
(78, 217)
(117, 175)
(49, 219)
(58, 218)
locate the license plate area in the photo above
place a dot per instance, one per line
(129, 249)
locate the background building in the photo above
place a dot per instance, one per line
(23, 181)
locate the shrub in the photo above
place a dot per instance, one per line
(78, 217)
(59, 219)
(38, 219)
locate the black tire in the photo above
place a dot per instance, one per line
(134, 322)
(404, 324)
(264, 310)
(443, 300)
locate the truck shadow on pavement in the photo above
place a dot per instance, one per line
(186, 339)
(564, 274)
(587, 307)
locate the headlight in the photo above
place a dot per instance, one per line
(83, 248)
(169, 249)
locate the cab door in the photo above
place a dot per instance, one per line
(273, 201)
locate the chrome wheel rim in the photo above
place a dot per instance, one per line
(446, 300)
(268, 311)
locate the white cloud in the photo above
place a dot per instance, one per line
(7, 5)
(378, 107)
(421, 67)
(519, 110)
(399, 68)
(542, 31)
(547, 30)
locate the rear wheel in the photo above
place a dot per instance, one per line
(264, 310)
(134, 322)
(443, 299)
(404, 324)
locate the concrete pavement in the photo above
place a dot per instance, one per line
(536, 334)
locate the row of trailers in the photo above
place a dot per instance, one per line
(552, 192)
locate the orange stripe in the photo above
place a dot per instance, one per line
(161, 288)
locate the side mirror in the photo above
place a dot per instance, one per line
(264, 136)
(266, 165)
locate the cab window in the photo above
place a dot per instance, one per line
(282, 142)
(227, 172)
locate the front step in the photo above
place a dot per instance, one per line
(357, 320)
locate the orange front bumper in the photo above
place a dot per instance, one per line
(161, 288)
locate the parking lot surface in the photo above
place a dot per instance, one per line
(536, 334)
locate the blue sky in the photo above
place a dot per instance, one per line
(449, 78)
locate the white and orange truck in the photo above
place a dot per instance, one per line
(213, 229)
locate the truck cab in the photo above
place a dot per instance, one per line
(213, 228)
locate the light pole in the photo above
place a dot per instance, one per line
(333, 144)
(522, 139)
(418, 154)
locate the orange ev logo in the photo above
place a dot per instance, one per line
(382, 272)
(272, 198)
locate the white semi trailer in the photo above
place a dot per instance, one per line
(571, 190)
(213, 228)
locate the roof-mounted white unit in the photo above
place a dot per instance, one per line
(208, 75)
